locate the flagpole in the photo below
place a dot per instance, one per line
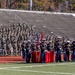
(31, 4)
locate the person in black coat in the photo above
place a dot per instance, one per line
(28, 51)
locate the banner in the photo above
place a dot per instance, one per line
(36, 57)
(49, 56)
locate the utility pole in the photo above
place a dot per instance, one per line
(31, 3)
(6, 4)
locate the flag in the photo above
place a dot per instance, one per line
(37, 37)
(42, 36)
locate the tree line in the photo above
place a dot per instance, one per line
(41, 5)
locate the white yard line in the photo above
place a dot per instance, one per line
(39, 65)
(73, 15)
(42, 72)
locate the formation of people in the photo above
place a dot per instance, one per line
(22, 39)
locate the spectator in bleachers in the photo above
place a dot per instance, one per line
(19, 48)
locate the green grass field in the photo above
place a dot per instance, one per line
(67, 68)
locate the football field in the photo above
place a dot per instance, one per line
(65, 68)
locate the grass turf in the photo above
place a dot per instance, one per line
(67, 68)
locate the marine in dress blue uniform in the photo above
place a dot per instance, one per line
(67, 51)
(58, 49)
(43, 47)
(28, 49)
